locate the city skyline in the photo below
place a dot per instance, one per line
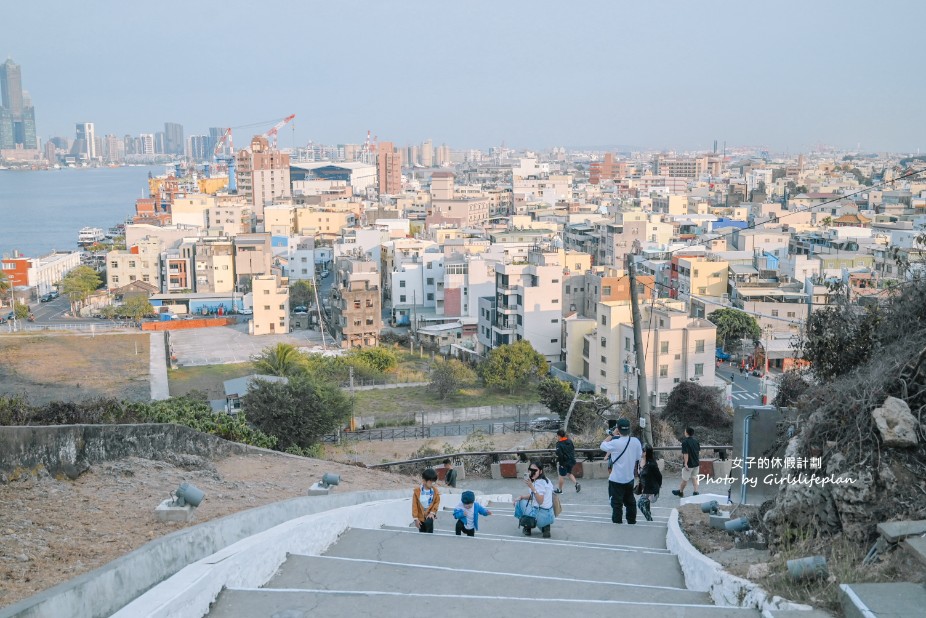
(532, 75)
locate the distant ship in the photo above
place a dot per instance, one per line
(116, 230)
(90, 235)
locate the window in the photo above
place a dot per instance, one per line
(266, 307)
(146, 278)
(604, 373)
(555, 301)
(112, 264)
(699, 369)
(626, 343)
(131, 263)
(266, 291)
(604, 359)
(676, 380)
(661, 323)
(606, 290)
(555, 281)
(567, 289)
(369, 302)
(774, 313)
(430, 281)
(699, 345)
(131, 277)
(604, 342)
(402, 298)
(663, 398)
(702, 290)
(790, 314)
(357, 304)
(663, 347)
(282, 307)
(402, 283)
(554, 340)
(604, 320)
(554, 321)
(430, 295)
(115, 278)
(663, 371)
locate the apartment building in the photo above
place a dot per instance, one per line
(466, 279)
(191, 209)
(356, 306)
(527, 305)
(41, 273)
(326, 223)
(253, 257)
(140, 262)
(699, 275)
(388, 169)
(417, 286)
(677, 348)
(262, 175)
(270, 297)
(214, 265)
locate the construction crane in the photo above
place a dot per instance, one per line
(272, 132)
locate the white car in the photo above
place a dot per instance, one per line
(246, 311)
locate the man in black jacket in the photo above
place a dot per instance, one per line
(566, 458)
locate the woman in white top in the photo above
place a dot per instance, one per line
(540, 499)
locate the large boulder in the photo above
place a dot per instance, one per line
(895, 423)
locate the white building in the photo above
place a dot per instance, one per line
(270, 297)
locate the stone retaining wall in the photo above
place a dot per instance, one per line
(70, 450)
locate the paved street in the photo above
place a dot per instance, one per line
(747, 389)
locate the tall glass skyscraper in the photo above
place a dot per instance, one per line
(17, 116)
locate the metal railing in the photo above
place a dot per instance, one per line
(591, 454)
(91, 327)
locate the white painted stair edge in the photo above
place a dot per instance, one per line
(705, 575)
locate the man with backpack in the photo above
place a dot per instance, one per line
(624, 453)
(566, 458)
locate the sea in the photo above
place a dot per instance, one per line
(42, 211)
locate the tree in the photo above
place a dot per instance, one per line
(281, 360)
(78, 284)
(508, 366)
(20, 310)
(301, 293)
(5, 284)
(691, 404)
(377, 359)
(297, 412)
(135, 307)
(791, 385)
(556, 395)
(449, 376)
(733, 324)
(839, 338)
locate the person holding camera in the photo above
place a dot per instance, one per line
(624, 452)
(541, 496)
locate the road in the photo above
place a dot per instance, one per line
(747, 389)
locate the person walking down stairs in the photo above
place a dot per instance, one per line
(566, 460)
(651, 478)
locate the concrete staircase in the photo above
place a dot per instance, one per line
(590, 567)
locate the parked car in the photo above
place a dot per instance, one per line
(545, 423)
(246, 311)
(300, 309)
(325, 273)
(45, 298)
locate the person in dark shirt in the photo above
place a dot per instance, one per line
(566, 458)
(690, 463)
(450, 478)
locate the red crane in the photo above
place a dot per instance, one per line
(272, 133)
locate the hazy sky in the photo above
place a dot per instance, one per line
(786, 74)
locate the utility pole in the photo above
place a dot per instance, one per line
(642, 389)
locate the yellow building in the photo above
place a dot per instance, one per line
(212, 186)
(699, 277)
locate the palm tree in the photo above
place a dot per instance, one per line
(281, 360)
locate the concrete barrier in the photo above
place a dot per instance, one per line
(706, 575)
(105, 590)
(187, 324)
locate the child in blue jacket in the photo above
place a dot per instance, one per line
(467, 514)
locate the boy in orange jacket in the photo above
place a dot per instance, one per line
(426, 502)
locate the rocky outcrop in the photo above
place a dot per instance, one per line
(895, 423)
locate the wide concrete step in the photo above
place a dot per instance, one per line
(536, 537)
(581, 582)
(650, 535)
(527, 556)
(258, 603)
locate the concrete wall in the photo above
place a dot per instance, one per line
(187, 324)
(70, 450)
